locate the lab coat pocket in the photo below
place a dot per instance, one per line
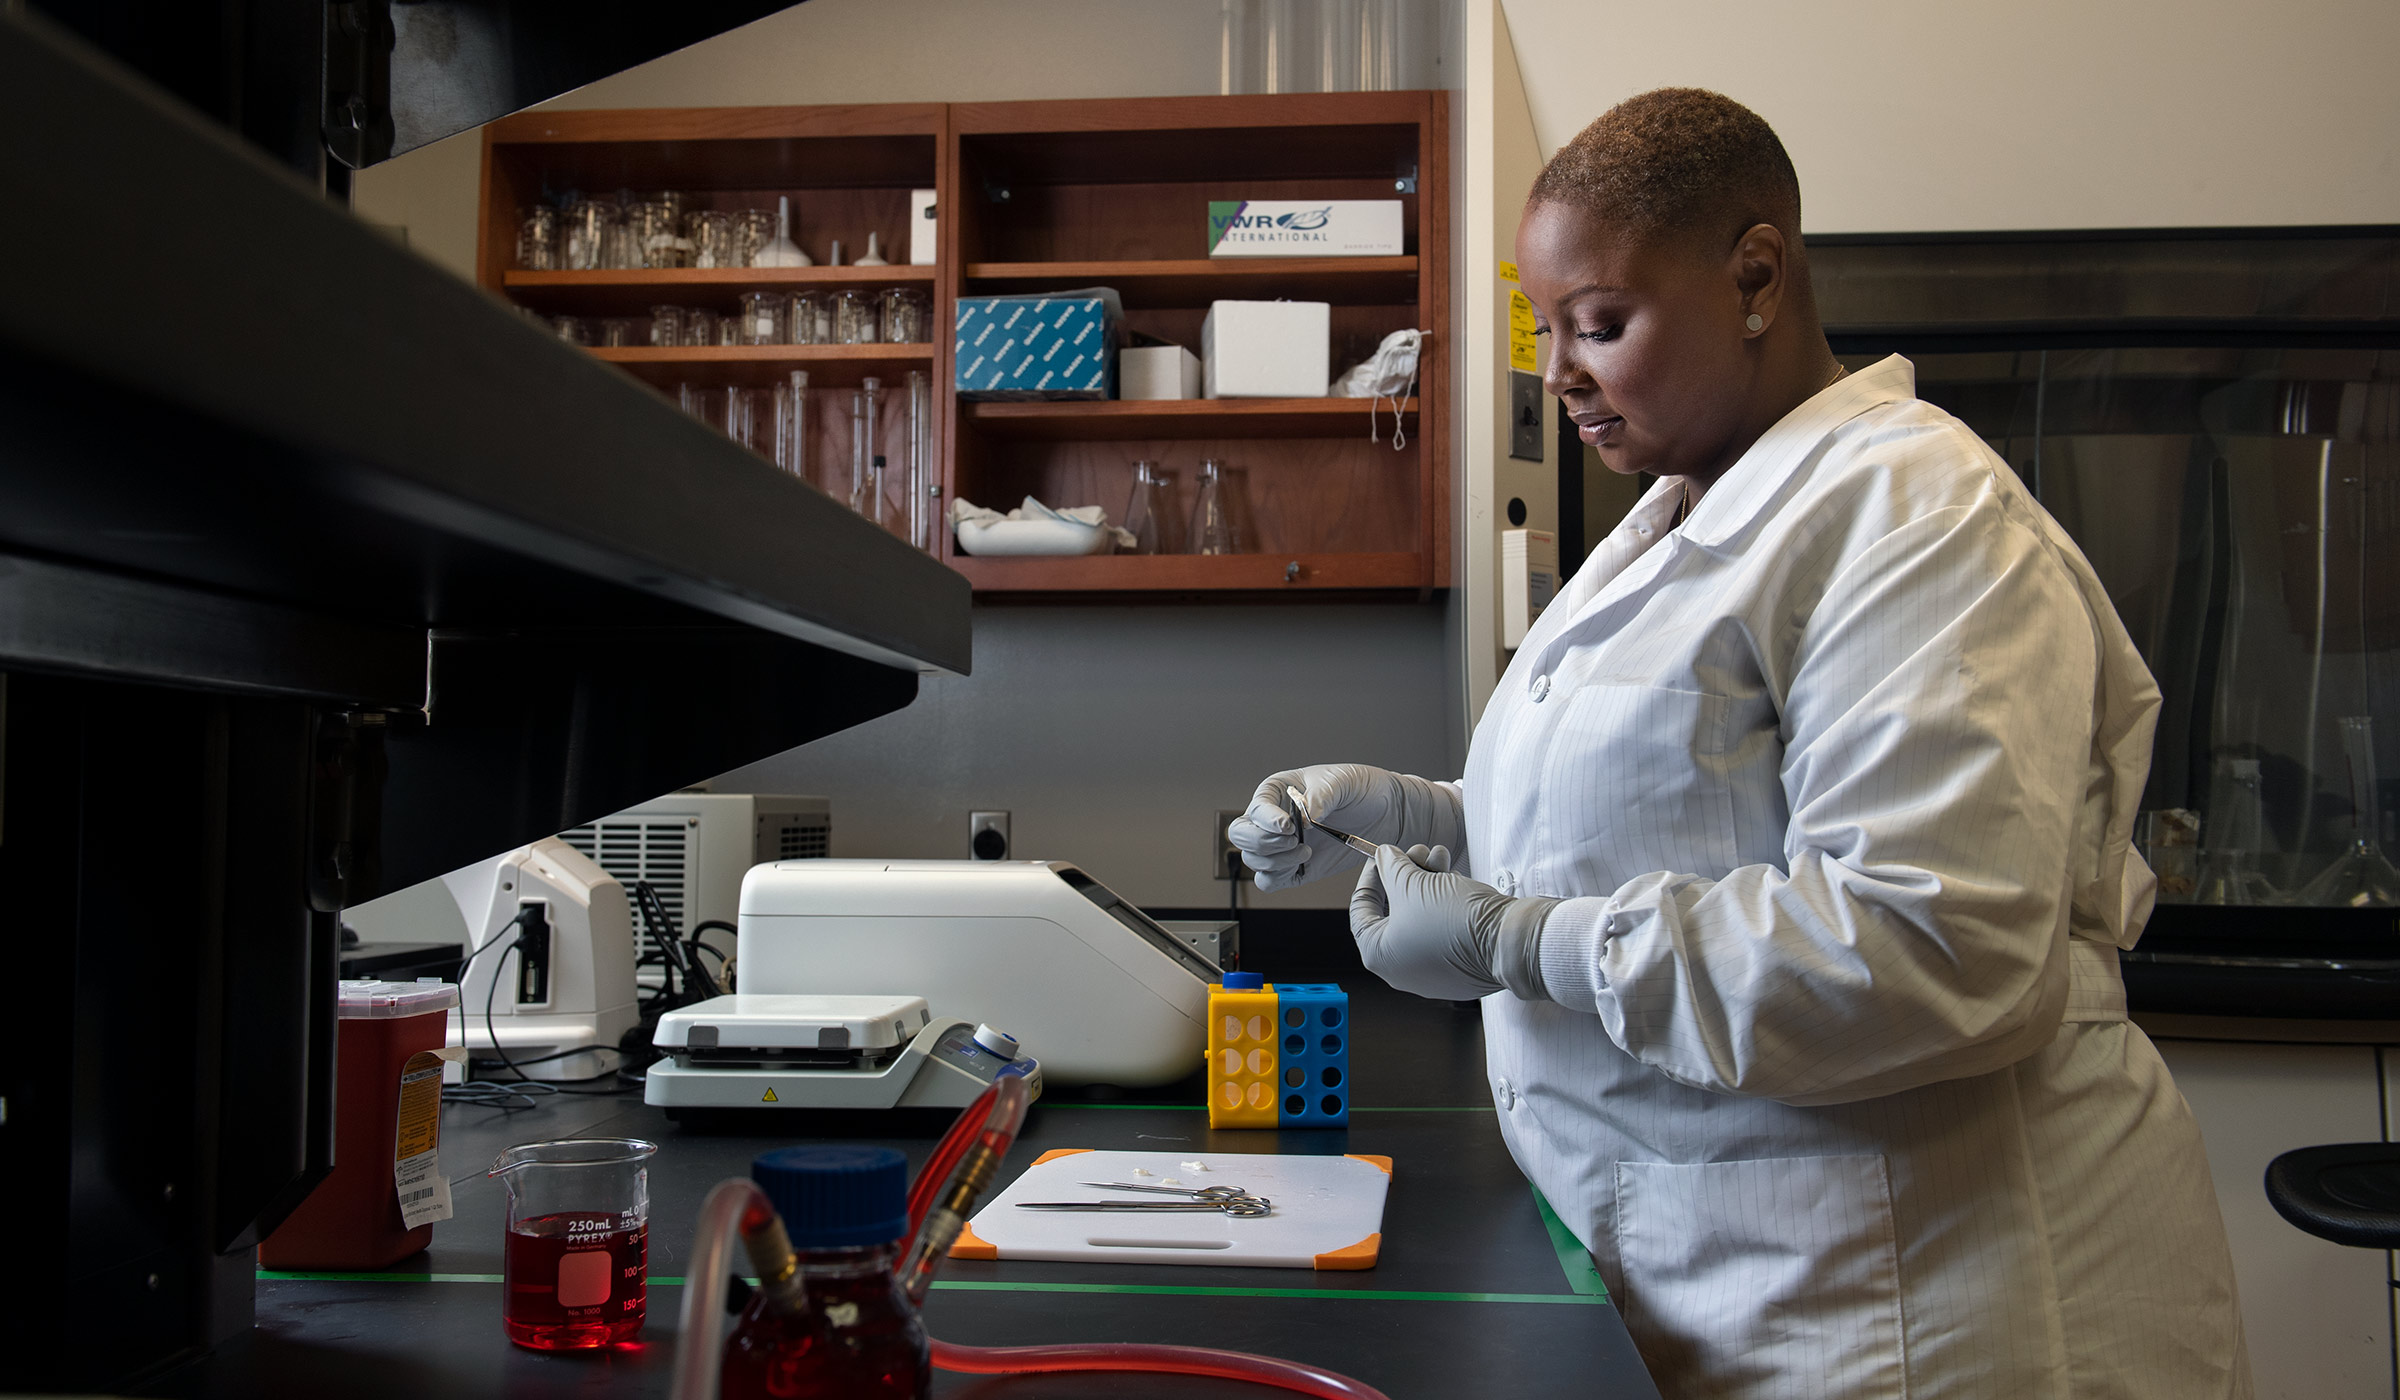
(1636, 780)
(1772, 1278)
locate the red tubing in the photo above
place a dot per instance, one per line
(1132, 1356)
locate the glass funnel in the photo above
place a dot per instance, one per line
(2362, 877)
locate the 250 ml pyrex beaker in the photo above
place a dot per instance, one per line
(578, 1243)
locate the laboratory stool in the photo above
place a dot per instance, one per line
(2346, 1192)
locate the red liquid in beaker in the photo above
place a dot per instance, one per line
(575, 1280)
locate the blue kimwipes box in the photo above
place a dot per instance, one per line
(1060, 345)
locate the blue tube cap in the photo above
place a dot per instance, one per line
(836, 1197)
(1244, 981)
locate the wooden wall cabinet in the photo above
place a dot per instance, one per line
(1041, 196)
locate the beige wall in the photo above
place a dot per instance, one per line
(1979, 114)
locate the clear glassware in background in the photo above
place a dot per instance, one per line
(750, 418)
(729, 330)
(763, 318)
(1212, 523)
(537, 239)
(854, 321)
(666, 325)
(862, 437)
(811, 319)
(657, 225)
(710, 232)
(792, 425)
(753, 229)
(572, 329)
(583, 234)
(624, 330)
(2362, 876)
(1328, 45)
(924, 491)
(699, 327)
(2229, 873)
(904, 316)
(702, 403)
(1146, 511)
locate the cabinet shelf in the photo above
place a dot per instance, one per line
(1120, 420)
(633, 291)
(1145, 282)
(1195, 573)
(758, 365)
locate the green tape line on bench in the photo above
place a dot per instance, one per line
(977, 1286)
(1582, 1274)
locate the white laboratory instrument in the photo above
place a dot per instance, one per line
(693, 847)
(566, 990)
(758, 1051)
(1038, 947)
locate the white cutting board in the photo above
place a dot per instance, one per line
(1328, 1212)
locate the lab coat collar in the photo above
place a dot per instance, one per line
(1751, 487)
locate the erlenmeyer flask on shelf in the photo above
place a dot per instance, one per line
(2230, 874)
(1212, 523)
(2362, 877)
(1146, 511)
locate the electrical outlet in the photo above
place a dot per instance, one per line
(1228, 859)
(987, 835)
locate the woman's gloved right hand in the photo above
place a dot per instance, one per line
(1389, 809)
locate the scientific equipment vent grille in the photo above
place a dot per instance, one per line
(657, 850)
(804, 838)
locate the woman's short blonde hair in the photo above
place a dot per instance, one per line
(1677, 162)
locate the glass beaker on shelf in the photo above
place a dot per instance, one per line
(666, 325)
(763, 318)
(1212, 519)
(574, 330)
(811, 319)
(622, 330)
(2362, 876)
(904, 316)
(700, 327)
(537, 239)
(657, 229)
(584, 233)
(753, 229)
(1146, 511)
(854, 320)
(710, 232)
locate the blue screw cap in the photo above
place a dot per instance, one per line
(836, 1197)
(1244, 981)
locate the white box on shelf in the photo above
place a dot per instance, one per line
(1157, 372)
(1304, 228)
(923, 228)
(1267, 349)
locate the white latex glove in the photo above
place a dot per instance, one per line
(1384, 807)
(1426, 930)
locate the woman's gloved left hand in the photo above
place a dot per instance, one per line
(1426, 930)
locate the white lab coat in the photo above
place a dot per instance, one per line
(1837, 779)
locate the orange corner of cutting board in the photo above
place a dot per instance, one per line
(971, 1246)
(1371, 1160)
(1361, 1255)
(1057, 1152)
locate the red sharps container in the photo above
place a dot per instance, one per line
(387, 1186)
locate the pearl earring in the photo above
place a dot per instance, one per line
(1756, 322)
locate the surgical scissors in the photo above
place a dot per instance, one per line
(1197, 1193)
(1244, 1206)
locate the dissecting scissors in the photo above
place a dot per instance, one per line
(1226, 1205)
(1197, 1193)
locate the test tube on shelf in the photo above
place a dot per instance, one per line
(791, 425)
(921, 487)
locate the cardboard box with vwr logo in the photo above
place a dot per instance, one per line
(1299, 228)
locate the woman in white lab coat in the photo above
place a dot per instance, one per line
(1792, 856)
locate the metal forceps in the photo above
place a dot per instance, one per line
(1197, 1193)
(1359, 844)
(1244, 1206)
